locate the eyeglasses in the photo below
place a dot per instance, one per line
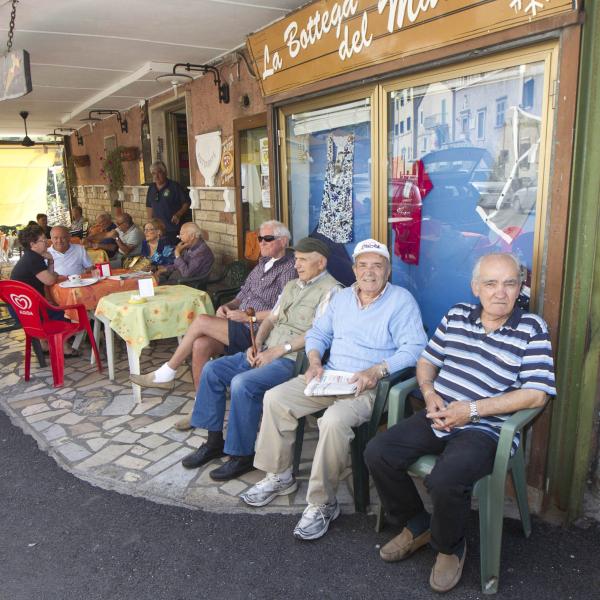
(149, 229)
(267, 238)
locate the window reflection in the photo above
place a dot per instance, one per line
(329, 179)
(463, 181)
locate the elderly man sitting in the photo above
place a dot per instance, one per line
(251, 373)
(193, 257)
(483, 363)
(228, 331)
(69, 259)
(128, 238)
(100, 237)
(371, 328)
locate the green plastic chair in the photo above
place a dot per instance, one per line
(489, 490)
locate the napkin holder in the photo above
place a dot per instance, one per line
(103, 269)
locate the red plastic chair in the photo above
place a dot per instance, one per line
(31, 309)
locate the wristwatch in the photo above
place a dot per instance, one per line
(287, 347)
(384, 371)
(473, 414)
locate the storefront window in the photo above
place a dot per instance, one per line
(328, 156)
(471, 185)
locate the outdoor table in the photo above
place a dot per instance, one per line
(166, 314)
(90, 295)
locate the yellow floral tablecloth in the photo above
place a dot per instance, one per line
(167, 314)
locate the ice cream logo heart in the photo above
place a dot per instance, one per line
(21, 302)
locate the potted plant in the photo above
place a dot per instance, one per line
(112, 171)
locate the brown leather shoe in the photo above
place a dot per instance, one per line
(447, 571)
(403, 545)
(184, 424)
(147, 380)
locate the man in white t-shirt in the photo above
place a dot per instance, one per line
(69, 259)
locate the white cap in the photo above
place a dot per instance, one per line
(370, 246)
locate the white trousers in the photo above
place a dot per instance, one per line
(283, 405)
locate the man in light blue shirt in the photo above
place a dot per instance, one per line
(371, 329)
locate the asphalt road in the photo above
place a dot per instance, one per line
(63, 539)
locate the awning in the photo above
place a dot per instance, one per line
(23, 177)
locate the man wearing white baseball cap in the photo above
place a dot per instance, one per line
(371, 329)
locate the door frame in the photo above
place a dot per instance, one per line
(239, 125)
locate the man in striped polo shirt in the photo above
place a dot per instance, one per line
(483, 363)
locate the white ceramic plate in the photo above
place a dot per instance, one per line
(80, 283)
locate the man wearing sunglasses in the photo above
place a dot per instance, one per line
(228, 331)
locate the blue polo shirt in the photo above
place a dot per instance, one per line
(166, 202)
(475, 364)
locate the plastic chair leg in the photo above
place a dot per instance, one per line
(520, 484)
(27, 357)
(491, 516)
(298, 445)
(57, 359)
(360, 473)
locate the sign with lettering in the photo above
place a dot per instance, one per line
(331, 37)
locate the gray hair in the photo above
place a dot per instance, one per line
(158, 165)
(509, 255)
(193, 229)
(279, 229)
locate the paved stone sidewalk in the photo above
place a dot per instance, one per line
(93, 429)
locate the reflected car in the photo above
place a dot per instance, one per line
(525, 198)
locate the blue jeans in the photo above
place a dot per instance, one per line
(248, 387)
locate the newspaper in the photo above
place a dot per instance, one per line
(332, 383)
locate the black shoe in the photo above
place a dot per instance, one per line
(234, 467)
(200, 457)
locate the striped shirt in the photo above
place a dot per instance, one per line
(475, 365)
(262, 288)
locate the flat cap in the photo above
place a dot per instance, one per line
(309, 244)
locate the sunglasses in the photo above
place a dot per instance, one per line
(267, 238)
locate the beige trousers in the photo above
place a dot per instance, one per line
(283, 405)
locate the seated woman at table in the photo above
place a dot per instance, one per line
(36, 268)
(155, 247)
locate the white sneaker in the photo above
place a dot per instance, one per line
(268, 489)
(315, 520)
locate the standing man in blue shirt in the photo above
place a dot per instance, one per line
(483, 363)
(372, 328)
(168, 201)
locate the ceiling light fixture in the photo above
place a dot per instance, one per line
(176, 78)
(67, 130)
(26, 141)
(92, 119)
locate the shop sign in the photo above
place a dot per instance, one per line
(331, 37)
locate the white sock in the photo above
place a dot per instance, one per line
(285, 476)
(164, 374)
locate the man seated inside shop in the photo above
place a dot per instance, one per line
(193, 257)
(484, 362)
(100, 237)
(228, 332)
(42, 220)
(36, 268)
(371, 329)
(128, 237)
(249, 374)
(77, 222)
(69, 259)
(168, 201)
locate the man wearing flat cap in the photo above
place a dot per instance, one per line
(250, 374)
(371, 329)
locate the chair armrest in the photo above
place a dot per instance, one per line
(199, 283)
(397, 400)
(514, 424)
(80, 308)
(383, 395)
